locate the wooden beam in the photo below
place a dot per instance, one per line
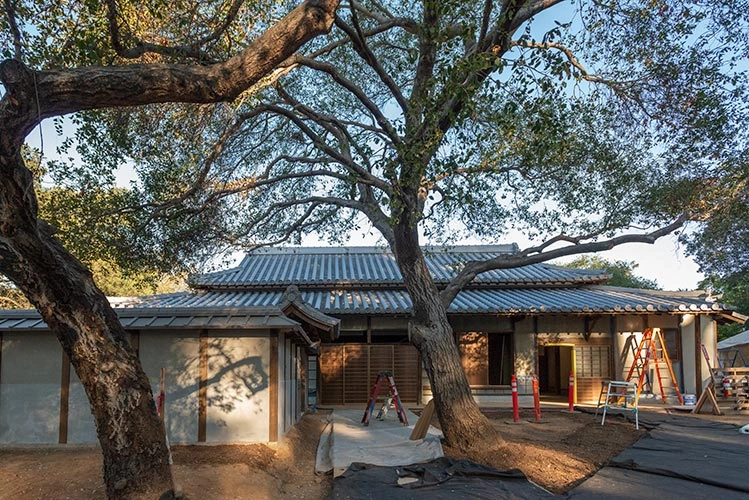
(202, 386)
(273, 393)
(135, 342)
(64, 399)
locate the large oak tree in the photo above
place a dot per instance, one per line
(586, 125)
(56, 283)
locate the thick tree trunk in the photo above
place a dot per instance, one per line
(463, 424)
(62, 289)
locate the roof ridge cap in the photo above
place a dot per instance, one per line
(344, 250)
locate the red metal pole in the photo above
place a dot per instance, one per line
(536, 398)
(515, 402)
(572, 392)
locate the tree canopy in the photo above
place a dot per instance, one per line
(622, 272)
(582, 121)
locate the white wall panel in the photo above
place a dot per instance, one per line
(30, 388)
(178, 354)
(238, 389)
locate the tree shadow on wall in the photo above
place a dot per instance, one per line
(236, 377)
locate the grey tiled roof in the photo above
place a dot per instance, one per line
(591, 298)
(371, 266)
(150, 315)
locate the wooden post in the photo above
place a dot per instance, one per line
(64, 399)
(203, 386)
(135, 342)
(1, 357)
(273, 392)
(162, 394)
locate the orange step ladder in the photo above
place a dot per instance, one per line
(651, 351)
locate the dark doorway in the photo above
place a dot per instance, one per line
(554, 365)
(500, 359)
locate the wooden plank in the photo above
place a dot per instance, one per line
(422, 425)
(273, 394)
(202, 386)
(64, 399)
(707, 394)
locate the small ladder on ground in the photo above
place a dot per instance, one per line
(651, 351)
(393, 397)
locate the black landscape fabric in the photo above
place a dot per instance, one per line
(441, 479)
(683, 457)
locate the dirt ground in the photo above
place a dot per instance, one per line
(556, 454)
(561, 451)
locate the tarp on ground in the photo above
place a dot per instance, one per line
(383, 442)
(682, 457)
(444, 478)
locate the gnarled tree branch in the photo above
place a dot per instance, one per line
(534, 255)
(69, 90)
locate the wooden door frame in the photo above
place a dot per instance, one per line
(573, 361)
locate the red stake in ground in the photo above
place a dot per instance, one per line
(515, 402)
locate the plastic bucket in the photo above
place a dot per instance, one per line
(690, 399)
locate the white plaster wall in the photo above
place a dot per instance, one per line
(178, 353)
(81, 426)
(30, 388)
(710, 340)
(525, 347)
(238, 388)
(688, 326)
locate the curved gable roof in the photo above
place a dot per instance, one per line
(376, 267)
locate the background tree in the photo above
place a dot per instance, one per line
(584, 125)
(622, 272)
(721, 244)
(126, 68)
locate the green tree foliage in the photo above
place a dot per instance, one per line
(720, 243)
(591, 119)
(622, 272)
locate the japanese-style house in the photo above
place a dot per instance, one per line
(248, 349)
